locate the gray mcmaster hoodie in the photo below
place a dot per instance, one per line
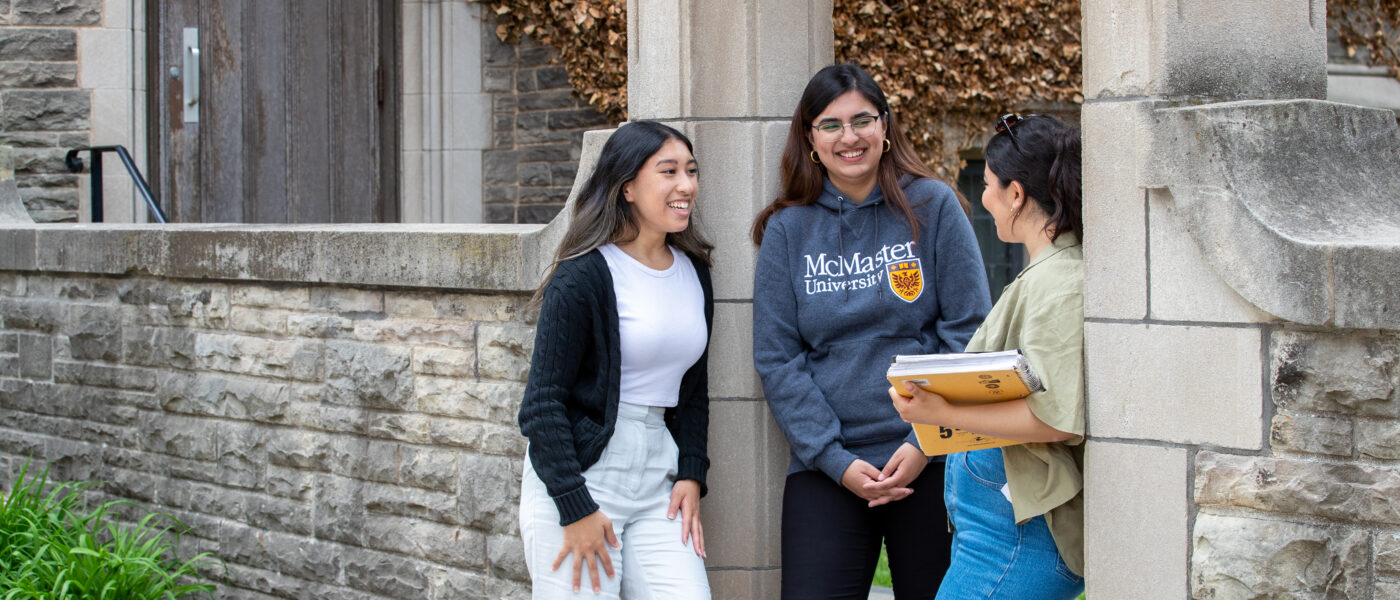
(840, 288)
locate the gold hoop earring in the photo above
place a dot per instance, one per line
(887, 145)
(816, 159)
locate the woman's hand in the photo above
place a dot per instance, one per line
(859, 477)
(587, 539)
(685, 498)
(904, 466)
(917, 405)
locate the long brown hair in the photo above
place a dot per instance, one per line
(602, 216)
(801, 178)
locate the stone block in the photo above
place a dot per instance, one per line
(444, 544)
(1183, 286)
(582, 118)
(107, 58)
(289, 483)
(494, 401)
(731, 370)
(35, 356)
(318, 326)
(748, 466)
(163, 347)
(43, 316)
(747, 583)
(417, 503)
(1373, 302)
(339, 510)
(534, 174)
(1341, 491)
(347, 300)
(44, 110)
(1211, 394)
(100, 375)
(548, 153)
(1240, 557)
(179, 436)
(458, 583)
(404, 427)
(369, 375)
(288, 298)
(447, 362)
(1348, 373)
(728, 200)
(255, 320)
(1136, 498)
(498, 80)
(488, 491)
(505, 556)
(224, 252)
(9, 343)
(1232, 172)
(15, 75)
(504, 589)
(200, 305)
(16, 252)
(94, 332)
(1388, 554)
(279, 514)
(503, 350)
(485, 258)
(1378, 439)
(1115, 237)
(39, 44)
(56, 12)
(1314, 435)
(386, 574)
(242, 454)
(262, 357)
(428, 468)
(1118, 51)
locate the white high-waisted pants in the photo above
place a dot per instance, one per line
(631, 483)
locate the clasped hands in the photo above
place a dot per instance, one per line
(882, 486)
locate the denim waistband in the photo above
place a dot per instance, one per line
(651, 415)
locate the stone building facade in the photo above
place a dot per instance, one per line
(43, 108)
(490, 131)
(537, 128)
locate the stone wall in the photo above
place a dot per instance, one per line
(43, 111)
(537, 130)
(330, 416)
(1323, 502)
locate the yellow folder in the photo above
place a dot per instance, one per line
(964, 378)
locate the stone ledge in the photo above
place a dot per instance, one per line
(1293, 203)
(468, 257)
(488, 257)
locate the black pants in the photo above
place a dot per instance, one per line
(831, 539)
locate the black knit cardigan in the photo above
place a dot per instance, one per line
(570, 403)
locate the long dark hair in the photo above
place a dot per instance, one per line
(1045, 158)
(801, 179)
(602, 216)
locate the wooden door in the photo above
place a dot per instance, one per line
(297, 111)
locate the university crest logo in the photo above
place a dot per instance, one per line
(907, 279)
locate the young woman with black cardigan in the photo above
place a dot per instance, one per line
(616, 407)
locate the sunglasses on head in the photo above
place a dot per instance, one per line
(1008, 121)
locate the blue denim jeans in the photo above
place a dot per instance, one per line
(993, 557)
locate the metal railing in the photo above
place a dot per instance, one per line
(75, 165)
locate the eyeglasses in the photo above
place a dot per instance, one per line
(863, 126)
(1009, 120)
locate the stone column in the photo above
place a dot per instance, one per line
(729, 74)
(1175, 356)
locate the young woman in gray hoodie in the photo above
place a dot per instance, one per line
(862, 256)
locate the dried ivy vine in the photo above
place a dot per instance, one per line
(949, 66)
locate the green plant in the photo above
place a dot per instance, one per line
(52, 548)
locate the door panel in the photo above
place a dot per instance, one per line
(296, 122)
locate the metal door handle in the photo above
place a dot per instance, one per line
(191, 80)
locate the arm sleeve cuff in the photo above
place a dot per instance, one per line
(694, 467)
(575, 504)
(834, 461)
